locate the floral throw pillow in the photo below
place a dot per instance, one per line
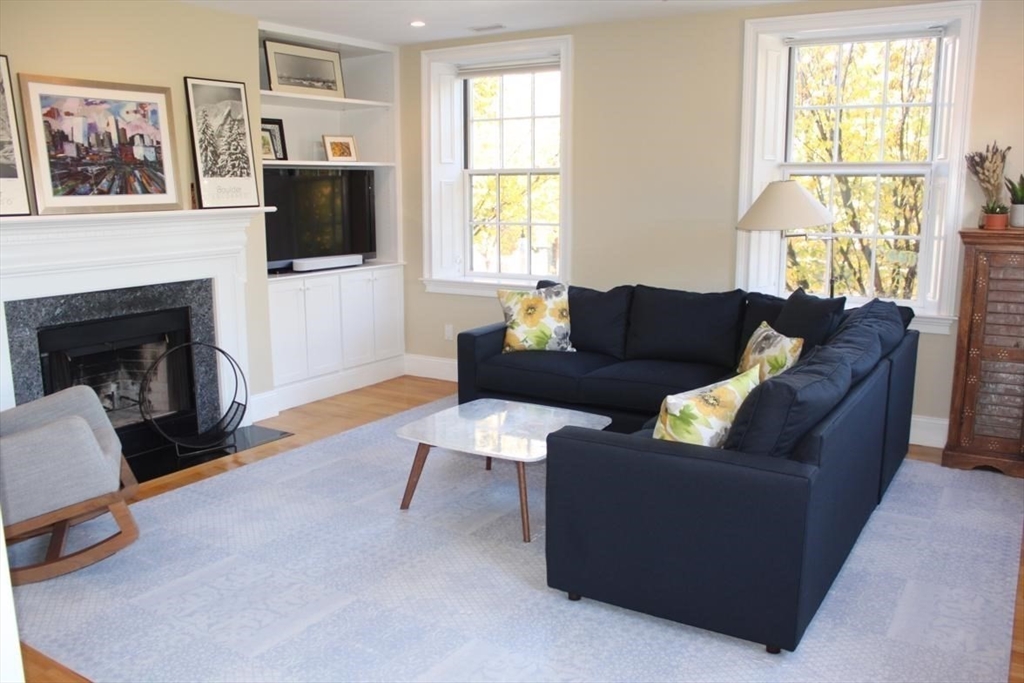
(704, 416)
(537, 320)
(770, 351)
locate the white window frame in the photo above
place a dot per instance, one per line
(446, 247)
(759, 255)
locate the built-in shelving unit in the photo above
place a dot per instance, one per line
(327, 164)
(278, 99)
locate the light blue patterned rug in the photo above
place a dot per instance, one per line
(302, 568)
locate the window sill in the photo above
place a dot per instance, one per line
(473, 286)
(933, 324)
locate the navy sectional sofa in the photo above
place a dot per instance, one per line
(746, 539)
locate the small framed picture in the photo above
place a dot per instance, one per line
(13, 184)
(221, 143)
(340, 147)
(304, 70)
(273, 132)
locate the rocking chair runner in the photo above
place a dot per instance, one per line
(60, 465)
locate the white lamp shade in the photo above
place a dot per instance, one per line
(785, 205)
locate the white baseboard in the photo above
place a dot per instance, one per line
(261, 407)
(928, 431)
(432, 367)
(316, 388)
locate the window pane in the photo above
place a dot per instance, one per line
(896, 262)
(813, 133)
(851, 266)
(907, 133)
(815, 78)
(547, 147)
(862, 66)
(485, 248)
(544, 250)
(483, 94)
(901, 205)
(853, 204)
(484, 199)
(860, 135)
(517, 144)
(911, 70)
(517, 98)
(545, 198)
(805, 265)
(485, 152)
(514, 249)
(548, 86)
(513, 199)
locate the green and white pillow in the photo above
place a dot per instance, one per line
(536, 320)
(704, 416)
(770, 351)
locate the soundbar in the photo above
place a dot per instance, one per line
(322, 262)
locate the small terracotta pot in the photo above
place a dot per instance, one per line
(996, 221)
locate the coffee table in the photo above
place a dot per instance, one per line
(493, 428)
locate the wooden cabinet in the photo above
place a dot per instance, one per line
(986, 418)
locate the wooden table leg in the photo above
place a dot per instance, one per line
(414, 474)
(524, 509)
(488, 463)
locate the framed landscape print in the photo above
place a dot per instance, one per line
(273, 129)
(221, 143)
(305, 70)
(99, 147)
(13, 184)
(340, 147)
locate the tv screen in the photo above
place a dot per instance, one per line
(320, 212)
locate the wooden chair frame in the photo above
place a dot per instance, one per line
(58, 522)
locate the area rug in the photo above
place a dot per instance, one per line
(302, 568)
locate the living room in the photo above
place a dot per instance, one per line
(657, 137)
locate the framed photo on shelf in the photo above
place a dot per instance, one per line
(340, 147)
(303, 70)
(272, 131)
(221, 143)
(13, 184)
(99, 147)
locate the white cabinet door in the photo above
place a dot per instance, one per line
(388, 316)
(288, 330)
(323, 325)
(357, 318)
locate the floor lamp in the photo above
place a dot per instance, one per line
(787, 205)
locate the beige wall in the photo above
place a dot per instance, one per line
(150, 42)
(656, 131)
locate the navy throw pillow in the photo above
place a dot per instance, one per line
(781, 410)
(598, 319)
(884, 318)
(761, 308)
(670, 324)
(811, 318)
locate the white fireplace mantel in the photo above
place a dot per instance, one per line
(42, 256)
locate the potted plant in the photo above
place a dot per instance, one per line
(987, 168)
(1016, 201)
(995, 215)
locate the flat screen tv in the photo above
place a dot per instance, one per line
(320, 212)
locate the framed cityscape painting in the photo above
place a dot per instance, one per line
(304, 70)
(221, 143)
(99, 147)
(13, 184)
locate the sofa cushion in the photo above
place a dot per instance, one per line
(599, 319)
(770, 352)
(860, 345)
(809, 317)
(703, 416)
(640, 385)
(781, 410)
(883, 318)
(760, 308)
(550, 375)
(668, 324)
(536, 320)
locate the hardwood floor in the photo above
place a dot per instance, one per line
(340, 413)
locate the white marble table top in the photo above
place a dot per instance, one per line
(498, 428)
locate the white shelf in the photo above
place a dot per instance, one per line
(280, 99)
(274, 163)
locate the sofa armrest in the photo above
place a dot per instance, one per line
(474, 346)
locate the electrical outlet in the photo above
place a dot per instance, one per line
(449, 332)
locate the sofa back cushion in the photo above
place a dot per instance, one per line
(809, 317)
(779, 411)
(599, 319)
(861, 347)
(669, 324)
(883, 318)
(760, 308)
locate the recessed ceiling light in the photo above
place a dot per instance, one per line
(418, 24)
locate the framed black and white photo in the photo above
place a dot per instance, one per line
(13, 184)
(221, 143)
(304, 70)
(273, 129)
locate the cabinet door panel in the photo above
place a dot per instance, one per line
(388, 322)
(288, 331)
(323, 325)
(357, 318)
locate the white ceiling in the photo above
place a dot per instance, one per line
(387, 21)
